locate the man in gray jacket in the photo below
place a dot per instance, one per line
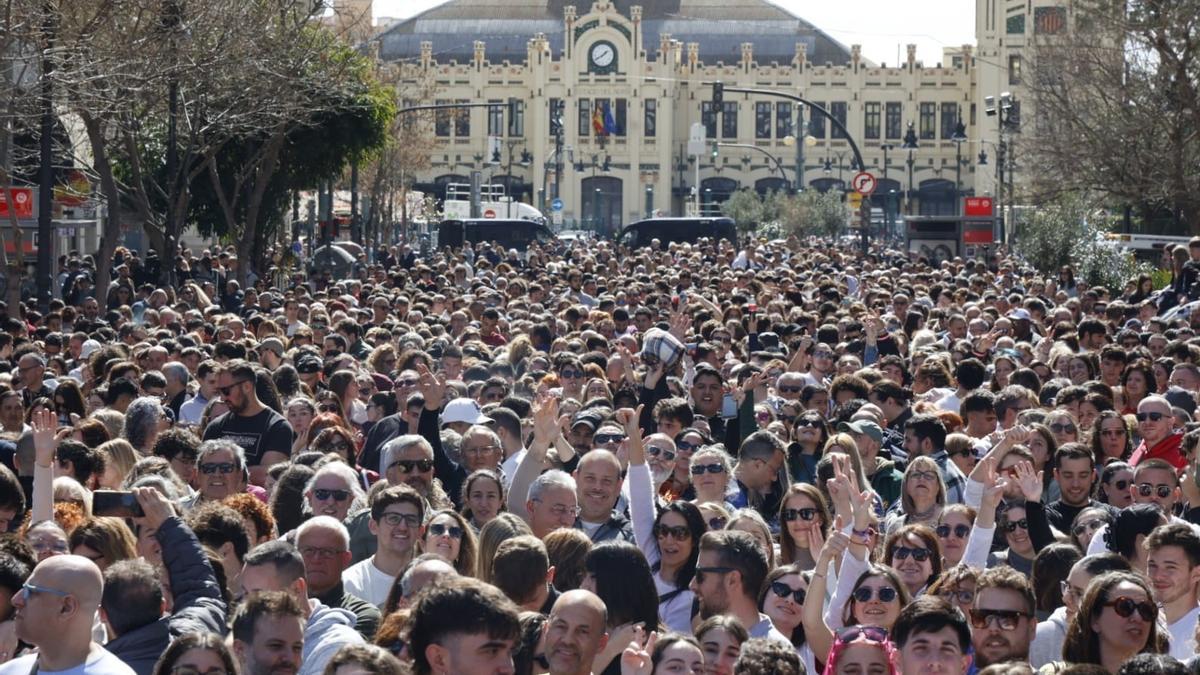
(133, 602)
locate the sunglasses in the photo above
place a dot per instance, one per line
(407, 465)
(336, 495)
(884, 593)
(1012, 526)
(684, 446)
(211, 468)
(655, 452)
(440, 529)
(604, 439)
(1061, 428)
(783, 592)
(965, 452)
(790, 515)
(803, 422)
(717, 523)
(571, 374)
(961, 597)
(678, 533)
(1125, 607)
(327, 408)
(869, 633)
(702, 571)
(1152, 416)
(1005, 619)
(960, 531)
(1089, 526)
(408, 382)
(225, 390)
(919, 554)
(1121, 484)
(790, 390)
(1164, 491)
(1113, 433)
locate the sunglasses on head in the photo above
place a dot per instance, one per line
(884, 593)
(790, 515)
(1152, 416)
(700, 469)
(960, 531)
(868, 633)
(1164, 491)
(1006, 619)
(919, 554)
(407, 465)
(336, 495)
(783, 592)
(1125, 607)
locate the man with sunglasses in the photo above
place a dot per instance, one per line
(264, 435)
(729, 572)
(1154, 482)
(1003, 622)
(54, 611)
(1160, 440)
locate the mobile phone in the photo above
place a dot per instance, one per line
(728, 407)
(675, 301)
(752, 307)
(116, 503)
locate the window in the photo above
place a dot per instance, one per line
(516, 125)
(462, 122)
(928, 121)
(729, 120)
(709, 119)
(585, 117)
(650, 119)
(783, 119)
(1049, 20)
(1015, 24)
(495, 118)
(619, 110)
(949, 120)
(894, 113)
(838, 110)
(816, 123)
(1014, 69)
(871, 120)
(441, 121)
(555, 111)
(762, 120)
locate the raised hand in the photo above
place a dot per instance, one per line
(45, 441)
(635, 660)
(1030, 482)
(156, 507)
(432, 387)
(816, 540)
(835, 545)
(545, 421)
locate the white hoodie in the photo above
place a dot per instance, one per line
(1048, 641)
(328, 630)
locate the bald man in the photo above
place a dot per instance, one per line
(576, 632)
(598, 487)
(54, 612)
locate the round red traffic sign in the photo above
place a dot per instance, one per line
(863, 183)
(490, 213)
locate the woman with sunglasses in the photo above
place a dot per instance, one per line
(1117, 619)
(876, 599)
(1062, 424)
(914, 553)
(1048, 640)
(1113, 486)
(782, 598)
(957, 585)
(953, 530)
(448, 535)
(804, 524)
(197, 653)
(922, 497)
(809, 435)
(1087, 522)
(670, 538)
(711, 470)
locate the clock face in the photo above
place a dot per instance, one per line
(603, 54)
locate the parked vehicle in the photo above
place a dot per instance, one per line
(507, 234)
(677, 230)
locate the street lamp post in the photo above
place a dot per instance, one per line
(1007, 112)
(596, 208)
(959, 137)
(887, 207)
(649, 201)
(800, 136)
(910, 144)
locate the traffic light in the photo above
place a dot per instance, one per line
(718, 94)
(716, 149)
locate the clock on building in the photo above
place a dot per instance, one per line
(602, 58)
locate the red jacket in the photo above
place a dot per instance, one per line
(1166, 449)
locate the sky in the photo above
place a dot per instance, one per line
(882, 27)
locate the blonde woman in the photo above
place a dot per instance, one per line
(922, 496)
(119, 458)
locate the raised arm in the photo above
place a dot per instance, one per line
(545, 431)
(45, 444)
(641, 486)
(816, 630)
(979, 543)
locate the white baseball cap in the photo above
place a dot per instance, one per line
(464, 410)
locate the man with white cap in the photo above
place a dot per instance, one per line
(459, 415)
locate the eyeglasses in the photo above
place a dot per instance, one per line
(1063, 428)
(481, 451)
(336, 495)
(1012, 525)
(702, 571)
(30, 589)
(717, 523)
(849, 634)
(407, 465)
(961, 597)
(605, 439)
(654, 451)
(225, 390)
(1164, 491)
(1125, 607)
(1089, 526)
(392, 519)
(1152, 416)
(320, 552)
(1005, 619)
(441, 529)
(790, 515)
(561, 509)
(213, 467)
(960, 531)
(917, 474)
(678, 533)
(47, 546)
(783, 592)
(919, 554)
(883, 593)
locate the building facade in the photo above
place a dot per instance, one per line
(642, 75)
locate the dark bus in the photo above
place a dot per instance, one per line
(516, 234)
(677, 230)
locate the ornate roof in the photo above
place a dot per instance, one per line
(720, 26)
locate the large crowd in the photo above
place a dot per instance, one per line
(780, 457)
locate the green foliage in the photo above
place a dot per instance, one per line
(745, 207)
(1071, 231)
(813, 213)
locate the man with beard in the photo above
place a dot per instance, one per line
(462, 626)
(1003, 622)
(729, 572)
(1075, 472)
(268, 634)
(598, 485)
(263, 433)
(1173, 566)
(576, 632)
(1154, 482)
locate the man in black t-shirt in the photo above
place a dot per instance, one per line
(263, 433)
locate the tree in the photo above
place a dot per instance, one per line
(745, 207)
(1072, 230)
(814, 213)
(1116, 107)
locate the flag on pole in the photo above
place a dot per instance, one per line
(610, 124)
(598, 120)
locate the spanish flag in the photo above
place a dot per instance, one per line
(598, 120)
